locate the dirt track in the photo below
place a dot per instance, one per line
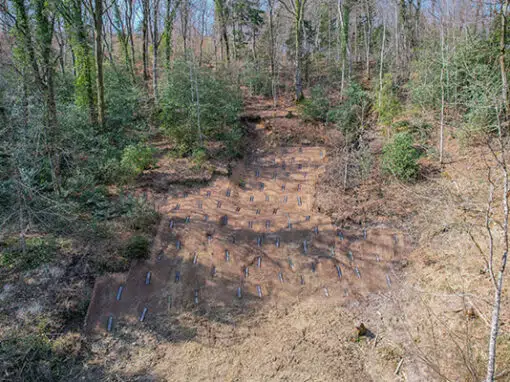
(279, 249)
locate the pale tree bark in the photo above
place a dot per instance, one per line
(155, 46)
(397, 35)
(502, 164)
(355, 38)
(443, 65)
(498, 290)
(202, 32)
(381, 63)
(343, 15)
(502, 42)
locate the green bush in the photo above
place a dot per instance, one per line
(350, 115)
(140, 215)
(256, 79)
(137, 248)
(39, 250)
(124, 103)
(419, 129)
(387, 105)
(199, 97)
(199, 157)
(400, 157)
(135, 159)
(316, 107)
(470, 82)
(234, 143)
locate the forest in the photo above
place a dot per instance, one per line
(109, 106)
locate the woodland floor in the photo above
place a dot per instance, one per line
(416, 278)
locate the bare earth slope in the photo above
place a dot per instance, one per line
(246, 282)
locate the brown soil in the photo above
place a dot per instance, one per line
(289, 321)
(285, 272)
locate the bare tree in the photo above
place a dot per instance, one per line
(502, 44)
(502, 165)
(442, 78)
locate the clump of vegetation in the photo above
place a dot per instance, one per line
(139, 214)
(199, 157)
(316, 107)
(199, 105)
(388, 105)
(400, 158)
(350, 116)
(257, 79)
(38, 251)
(135, 159)
(137, 247)
(469, 81)
(419, 129)
(37, 357)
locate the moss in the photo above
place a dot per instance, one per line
(39, 250)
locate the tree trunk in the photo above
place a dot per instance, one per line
(171, 12)
(234, 34)
(155, 45)
(225, 39)
(202, 34)
(272, 53)
(298, 81)
(184, 26)
(129, 29)
(221, 15)
(145, 41)
(123, 37)
(441, 127)
(253, 40)
(491, 364)
(381, 63)
(368, 37)
(99, 61)
(45, 23)
(344, 14)
(82, 59)
(502, 42)
(397, 37)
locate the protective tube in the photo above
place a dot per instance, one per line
(119, 293)
(142, 316)
(109, 324)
